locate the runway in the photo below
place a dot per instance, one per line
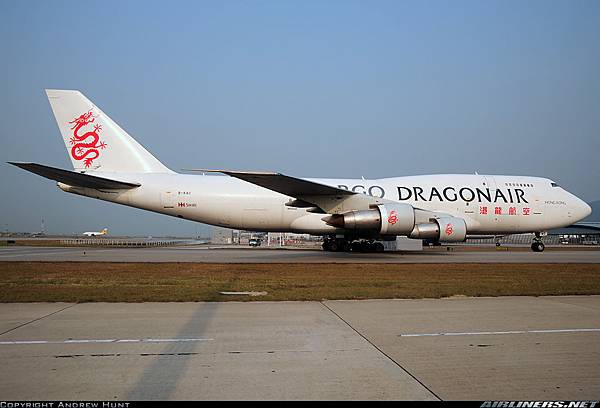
(515, 348)
(262, 255)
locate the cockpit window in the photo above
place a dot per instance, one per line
(553, 184)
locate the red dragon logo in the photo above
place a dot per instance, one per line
(86, 146)
(449, 230)
(393, 218)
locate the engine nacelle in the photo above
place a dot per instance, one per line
(387, 219)
(357, 220)
(452, 229)
(396, 219)
(444, 229)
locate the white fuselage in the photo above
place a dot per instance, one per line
(93, 233)
(488, 204)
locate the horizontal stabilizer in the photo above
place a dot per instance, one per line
(73, 178)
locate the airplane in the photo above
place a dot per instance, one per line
(96, 233)
(351, 214)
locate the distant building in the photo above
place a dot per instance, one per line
(232, 236)
(221, 236)
(561, 236)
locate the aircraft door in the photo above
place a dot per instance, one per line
(167, 199)
(490, 182)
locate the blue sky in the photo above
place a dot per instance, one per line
(313, 89)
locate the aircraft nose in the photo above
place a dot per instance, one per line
(582, 209)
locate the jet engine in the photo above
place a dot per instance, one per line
(399, 219)
(444, 229)
(387, 219)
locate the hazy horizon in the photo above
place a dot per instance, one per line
(338, 89)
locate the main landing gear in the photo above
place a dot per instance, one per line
(537, 245)
(343, 245)
(336, 245)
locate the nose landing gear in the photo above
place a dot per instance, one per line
(537, 245)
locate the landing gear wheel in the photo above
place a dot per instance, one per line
(365, 246)
(355, 246)
(345, 246)
(334, 246)
(538, 246)
(326, 246)
(378, 247)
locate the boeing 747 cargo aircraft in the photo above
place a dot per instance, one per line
(108, 164)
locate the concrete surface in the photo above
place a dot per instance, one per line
(514, 348)
(459, 348)
(260, 255)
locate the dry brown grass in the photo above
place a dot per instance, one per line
(178, 282)
(60, 243)
(31, 242)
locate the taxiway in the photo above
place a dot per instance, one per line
(513, 348)
(261, 255)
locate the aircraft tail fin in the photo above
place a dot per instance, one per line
(94, 141)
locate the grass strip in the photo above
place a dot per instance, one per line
(182, 282)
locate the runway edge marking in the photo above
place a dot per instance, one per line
(487, 333)
(96, 341)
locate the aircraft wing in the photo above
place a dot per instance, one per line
(329, 199)
(286, 185)
(73, 178)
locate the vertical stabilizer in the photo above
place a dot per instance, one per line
(94, 141)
